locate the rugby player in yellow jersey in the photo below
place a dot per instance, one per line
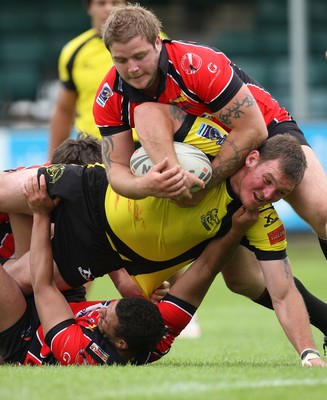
(85, 243)
(97, 230)
(123, 330)
(92, 223)
(82, 64)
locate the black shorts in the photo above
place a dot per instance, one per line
(16, 341)
(21, 338)
(80, 246)
(290, 127)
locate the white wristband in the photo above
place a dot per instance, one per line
(307, 355)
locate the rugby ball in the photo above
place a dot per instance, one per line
(190, 158)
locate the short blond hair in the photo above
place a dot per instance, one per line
(126, 22)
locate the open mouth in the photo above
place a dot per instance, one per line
(258, 198)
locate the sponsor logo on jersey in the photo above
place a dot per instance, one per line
(210, 220)
(271, 219)
(66, 357)
(191, 63)
(210, 132)
(26, 334)
(104, 95)
(92, 327)
(99, 352)
(212, 68)
(55, 172)
(277, 235)
(86, 273)
(181, 102)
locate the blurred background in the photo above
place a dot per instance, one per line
(281, 43)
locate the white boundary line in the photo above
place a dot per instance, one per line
(197, 387)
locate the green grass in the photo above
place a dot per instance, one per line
(242, 354)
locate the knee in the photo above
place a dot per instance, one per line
(141, 109)
(234, 284)
(145, 110)
(251, 287)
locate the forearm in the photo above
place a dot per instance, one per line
(155, 125)
(41, 261)
(193, 285)
(248, 131)
(123, 182)
(60, 129)
(233, 153)
(195, 282)
(124, 283)
(292, 315)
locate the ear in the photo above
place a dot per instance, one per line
(158, 44)
(252, 159)
(121, 344)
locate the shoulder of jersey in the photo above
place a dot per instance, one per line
(163, 35)
(190, 158)
(73, 44)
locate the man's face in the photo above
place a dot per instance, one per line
(99, 11)
(137, 63)
(108, 321)
(262, 183)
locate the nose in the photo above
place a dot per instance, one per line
(132, 66)
(271, 194)
(101, 312)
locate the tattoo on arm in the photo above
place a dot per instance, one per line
(177, 113)
(236, 110)
(107, 148)
(225, 167)
(287, 268)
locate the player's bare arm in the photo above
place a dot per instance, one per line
(51, 305)
(156, 124)
(159, 181)
(62, 119)
(193, 285)
(289, 306)
(248, 131)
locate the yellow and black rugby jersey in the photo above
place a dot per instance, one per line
(97, 231)
(156, 238)
(83, 63)
(202, 133)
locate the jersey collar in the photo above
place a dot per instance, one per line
(135, 95)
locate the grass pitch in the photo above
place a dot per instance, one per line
(242, 354)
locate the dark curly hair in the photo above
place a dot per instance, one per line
(140, 324)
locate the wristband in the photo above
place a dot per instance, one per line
(307, 355)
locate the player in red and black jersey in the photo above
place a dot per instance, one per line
(201, 81)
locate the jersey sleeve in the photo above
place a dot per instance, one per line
(63, 71)
(67, 342)
(267, 237)
(176, 314)
(106, 100)
(208, 73)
